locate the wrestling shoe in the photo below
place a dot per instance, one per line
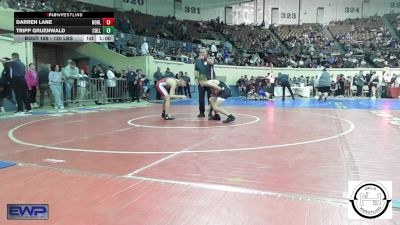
(169, 117)
(229, 119)
(215, 117)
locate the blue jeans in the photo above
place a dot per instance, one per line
(68, 91)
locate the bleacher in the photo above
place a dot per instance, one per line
(364, 40)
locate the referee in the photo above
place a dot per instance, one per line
(204, 66)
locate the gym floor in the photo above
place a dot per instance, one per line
(278, 163)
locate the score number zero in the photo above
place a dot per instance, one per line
(108, 25)
(106, 30)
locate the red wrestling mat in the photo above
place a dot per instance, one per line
(132, 167)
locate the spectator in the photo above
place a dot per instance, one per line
(144, 48)
(179, 89)
(347, 86)
(82, 83)
(70, 73)
(145, 86)
(31, 78)
(168, 73)
(397, 82)
(323, 82)
(341, 87)
(111, 84)
(213, 50)
(98, 79)
(130, 79)
(157, 77)
(44, 87)
(138, 85)
(375, 83)
(241, 87)
(187, 87)
(283, 80)
(272, 81)
(55, 82)
(359, 82)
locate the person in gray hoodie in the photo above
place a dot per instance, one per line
(359, 81)
(56, 79)
(70, 72)
(283, 80)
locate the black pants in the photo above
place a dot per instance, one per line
(158, 94)
(32, 94)
(359, 90)
(284, 86)
(6, 93)
(369, 90)
(21, 93)
(131, 89)
(45, 88)
(273, 90)
(180, 90)
(187, 91)
(137, 89)
(341, 88)
(202, 93)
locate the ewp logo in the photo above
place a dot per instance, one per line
(27, 211)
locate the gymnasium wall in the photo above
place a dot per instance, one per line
(288, 11)
(291, 10)
(8, 46)
(181, 9)
(7, 19)
(231, 74)
(244, 13)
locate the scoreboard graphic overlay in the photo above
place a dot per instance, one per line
(64, 27)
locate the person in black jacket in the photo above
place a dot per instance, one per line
(367, 81)
(18, 83)
(187, 87)
(137, 85)
(44, 84)
(98, 83)
(130, 79)
(179, 89)
(5, 86)
(283, 80)
(158, 76)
